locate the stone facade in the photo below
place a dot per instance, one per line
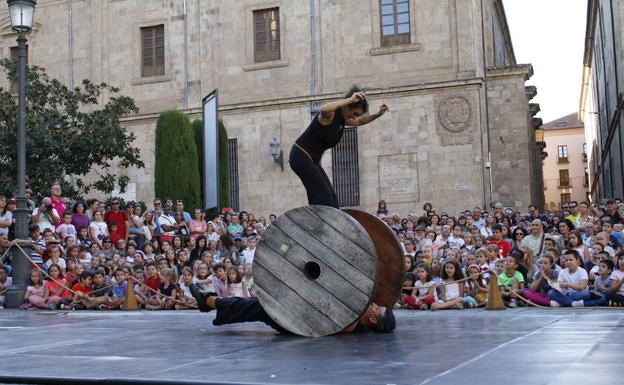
(459, 113)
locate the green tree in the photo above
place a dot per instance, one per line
(69, 132)
(198, 131)
(177, 163)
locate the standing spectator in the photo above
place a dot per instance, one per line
(157, 212)
(180, 209)
(98, 229)
(93, 207)
(197, 225)
(476, 217)
(115, 214)
(56, 200)
(45, 216)
(612, 211)
(382, 209)
(168, 226)
(6, 217)
(235, 228)
(78, 217)
(249, 253)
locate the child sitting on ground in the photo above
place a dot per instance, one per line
(451, 293)
(476, 290)
(600, 288)
(185, 282)
(235, 285)
(120, 289)
(5, 283)
(168, 293)
(34, 292)
(616, 294)
(572, 282)
(82, 290)
(510, 282)
(424, 293)
(538, 291)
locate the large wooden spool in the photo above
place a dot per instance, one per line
(315, 270)
(390, 265)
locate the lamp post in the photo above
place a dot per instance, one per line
(278, 154)
(22, 14)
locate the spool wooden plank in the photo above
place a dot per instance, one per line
(315, 278)
(391, 268)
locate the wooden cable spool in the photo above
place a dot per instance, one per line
(315, 270)
(390, 266)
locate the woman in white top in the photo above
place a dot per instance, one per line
(6, 217)
(486, 230)
(98, 228)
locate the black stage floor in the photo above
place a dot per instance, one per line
(521, 346)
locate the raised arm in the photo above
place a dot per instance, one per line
(367, 118)
(329, 109)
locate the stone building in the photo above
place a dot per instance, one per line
(602, 98)
(460, 131)
(566, 177)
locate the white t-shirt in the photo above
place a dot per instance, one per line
(166, 220)
(574, 278)
(423, 288)
(6, 218)
(67, 230)
(61, 263)
(456, 243)
(248, 256)
(45, 221)
(101, 229)
(617, 276)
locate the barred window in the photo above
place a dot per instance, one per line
(233, 167)
(395, 22)
(346, 170)
(153, 50)
(266, 35)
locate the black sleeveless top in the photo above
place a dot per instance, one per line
(317, 138)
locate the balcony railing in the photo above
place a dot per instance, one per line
(562, 159)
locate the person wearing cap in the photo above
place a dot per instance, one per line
(234, 310)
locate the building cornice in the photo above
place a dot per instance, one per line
(525, 70)
(277, 103)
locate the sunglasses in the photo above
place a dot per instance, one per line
(115, 203)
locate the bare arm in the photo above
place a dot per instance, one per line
(328, 109)
(367, 118)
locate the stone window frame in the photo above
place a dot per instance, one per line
(250, 64)
(137, 56)
(378, 49)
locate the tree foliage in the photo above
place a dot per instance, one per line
(69, 132)
(224, 167)
(177, 163)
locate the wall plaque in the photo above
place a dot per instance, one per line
(398, 178)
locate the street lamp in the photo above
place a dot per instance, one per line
(22, 14)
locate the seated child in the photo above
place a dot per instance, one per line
(510, 281)
(572, 282)
(538, 291)
(600, 288)
(185, 282)
(5, 282)
(424, 293)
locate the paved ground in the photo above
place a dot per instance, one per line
(521, 346)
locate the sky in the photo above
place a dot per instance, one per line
(549, 34)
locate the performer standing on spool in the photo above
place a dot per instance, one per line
(323, 133)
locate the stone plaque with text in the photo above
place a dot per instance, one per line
(398, 178)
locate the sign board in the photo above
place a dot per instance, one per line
(211, 150)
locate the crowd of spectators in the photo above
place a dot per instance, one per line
(574, 257)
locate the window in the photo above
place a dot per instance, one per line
(562, 153)
(153, 50)
(584, 152)
(564, 178)
(586, 178)
(266, 35)
(565, 198)
(233, 167)
(395, 22)
(15, 59)
(346, 169)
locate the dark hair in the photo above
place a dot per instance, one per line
(426, 268)
(75, 206)
(386, 323)
(458, 271)
(609, 263)
(574, 253)
(85, 274)
(226, 241)
(568, 223)
(2, 267)
(58, 267)
(218, 266)
(497, 227)
(363, 104)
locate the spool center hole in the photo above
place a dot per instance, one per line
(312, 270)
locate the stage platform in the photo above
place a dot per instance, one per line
(520, 346)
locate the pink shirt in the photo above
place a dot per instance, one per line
(59, 206)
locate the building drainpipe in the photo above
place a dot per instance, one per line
(488, 164)
(186, 62)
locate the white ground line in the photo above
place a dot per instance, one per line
(480, 356)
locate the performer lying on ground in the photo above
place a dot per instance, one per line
(237, 310)
(323, 133)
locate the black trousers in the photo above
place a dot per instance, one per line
(237, 310)
(315, 180)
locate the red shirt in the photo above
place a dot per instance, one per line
(78, 287)
(153, 283)
(59, 206)
(503, 247)
(120, 218)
